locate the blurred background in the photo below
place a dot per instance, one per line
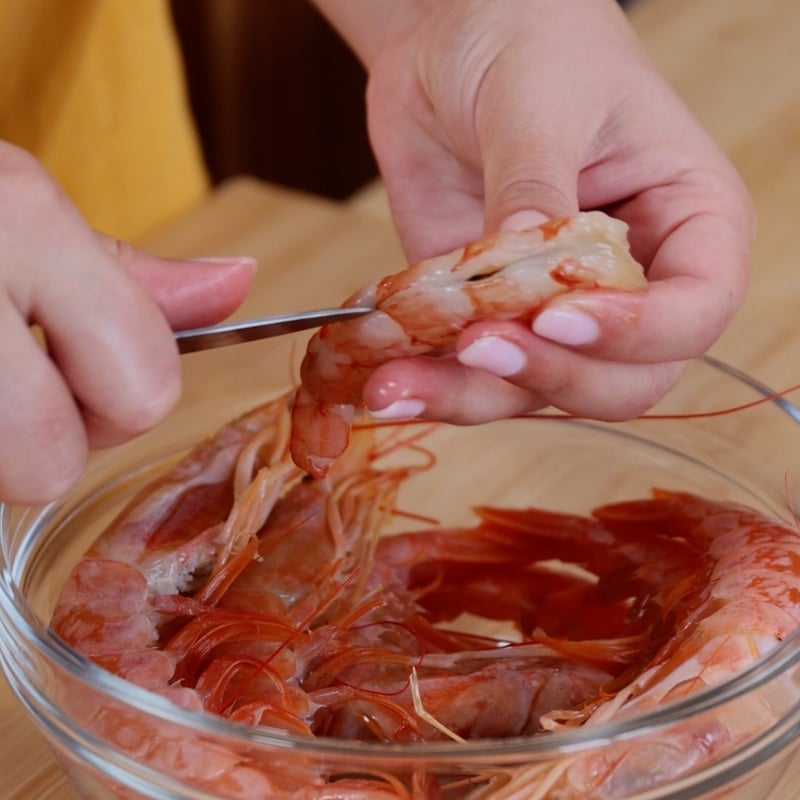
(276, 94)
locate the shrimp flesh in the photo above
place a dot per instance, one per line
(505, 276)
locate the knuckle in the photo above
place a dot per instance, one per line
(651, 386)
(534, 187)
(27, 187)
(137, 412)
(121, 251)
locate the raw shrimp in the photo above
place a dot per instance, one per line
(508, 275)
(739, 602)
(164, 597)
(235, 585)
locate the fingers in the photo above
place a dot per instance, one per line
(452, 391)
(569, 380)
(110, 343)
(698, 278)
(189, 293)
(439, 389)
(599, 354)
(114, 346)
(110, 369)
(44, 443)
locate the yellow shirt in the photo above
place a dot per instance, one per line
(94, 89)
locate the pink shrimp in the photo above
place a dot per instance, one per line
(739, 601)
(508, 275)
(234, 585)
(167, 597)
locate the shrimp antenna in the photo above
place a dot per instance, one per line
(425, 715)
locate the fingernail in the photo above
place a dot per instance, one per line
(232, 260)
(407, 408)
(566, 326)
(521, 220)
(495, 355)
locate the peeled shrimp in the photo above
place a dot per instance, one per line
(505, 276)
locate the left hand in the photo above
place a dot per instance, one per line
(487, 116)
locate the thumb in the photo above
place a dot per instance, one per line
(527, 182)
(530, 164)
(190, 293)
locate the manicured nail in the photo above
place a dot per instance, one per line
(407, 408)
(521, 220)
(566, 326)
(495, 355)
(232, 260)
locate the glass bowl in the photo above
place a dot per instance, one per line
(153, 748)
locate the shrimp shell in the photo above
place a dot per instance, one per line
(509, 275)
(745, 604)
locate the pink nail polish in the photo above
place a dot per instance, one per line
(566, 326)
(522, 220)
(232, 260)
(495, 355)
(406, 408)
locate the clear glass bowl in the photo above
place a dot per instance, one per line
(558, 464)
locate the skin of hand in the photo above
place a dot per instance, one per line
(110, 369)
(499, 115)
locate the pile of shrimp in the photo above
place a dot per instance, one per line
(238, 585)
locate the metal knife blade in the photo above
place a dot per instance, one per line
(195, 339)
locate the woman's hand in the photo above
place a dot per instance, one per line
(499, 115)
(110, 368)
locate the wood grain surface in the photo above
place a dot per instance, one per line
(737, 65)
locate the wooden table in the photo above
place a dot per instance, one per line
(735, 62)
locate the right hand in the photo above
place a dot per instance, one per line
(110, 370)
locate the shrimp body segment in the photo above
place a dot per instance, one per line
(505, 276)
